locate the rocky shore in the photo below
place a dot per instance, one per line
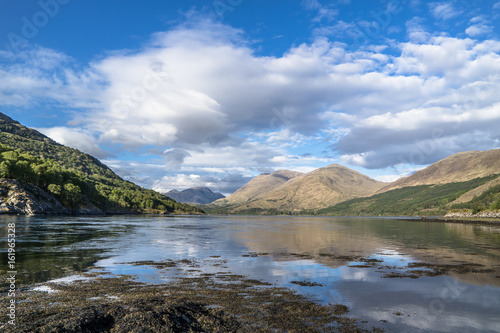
(480, 215)
(211, 303)
(24, 199)
(17, 198)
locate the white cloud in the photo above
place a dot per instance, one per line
(279, 159)
(416, 31)
(199, 97)
(443, 10)
(388, 178)
(180, 181)
(74, 137)
(303, 169)
(323, 12)
(479, 26)
(224, 183)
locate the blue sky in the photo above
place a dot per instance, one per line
(175, 94)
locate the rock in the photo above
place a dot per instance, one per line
(483, 214)
(17, 198)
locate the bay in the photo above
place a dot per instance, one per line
(379, 267)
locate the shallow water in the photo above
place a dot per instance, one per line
(319, 251)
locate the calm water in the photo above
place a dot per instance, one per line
(285, 249)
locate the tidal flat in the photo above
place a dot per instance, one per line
(96, 302)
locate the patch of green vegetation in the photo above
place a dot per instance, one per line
(424, 200)
(489, 199)
(74, 178)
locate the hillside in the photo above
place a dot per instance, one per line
(420, 200)
(195, 195)
(79, 181)
(465, 182)
(315, 190)
(459, 167)
(258, 187)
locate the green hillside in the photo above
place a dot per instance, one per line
(426, 200)
(76, 179)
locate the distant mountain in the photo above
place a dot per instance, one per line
(43, 173)
(196, 195)
(315, 190)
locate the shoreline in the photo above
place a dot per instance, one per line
(211, 303)
(457, 220)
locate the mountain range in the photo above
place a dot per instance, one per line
(294, 192)
(195, 195)
(41, 176)
(466, 181)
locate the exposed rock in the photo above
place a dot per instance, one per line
(483, 214)
(17, 198)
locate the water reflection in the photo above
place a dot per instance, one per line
(434, 243)
(49, 247)
(335, 260)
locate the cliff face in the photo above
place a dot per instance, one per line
(16, 198)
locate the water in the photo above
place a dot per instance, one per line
(281, 250)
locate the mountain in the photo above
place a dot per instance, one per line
(258, 187)
(196, 195)
(460, 167)
(311, 191)
(37, 167)
(467, 182)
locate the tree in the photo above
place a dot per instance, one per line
(496, 205)
(5, 169)
(55, 189)
(71, 192)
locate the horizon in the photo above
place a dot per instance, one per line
(213, 93)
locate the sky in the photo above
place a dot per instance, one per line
(182, 93)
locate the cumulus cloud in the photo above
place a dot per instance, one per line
(479, 26)
(225, 183)
(200, 98)
(41, 74)
(74, 137)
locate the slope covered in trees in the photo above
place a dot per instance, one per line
(76, 179)
(424, 200)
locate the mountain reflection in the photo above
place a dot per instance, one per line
(336, 244)
(51, 247)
